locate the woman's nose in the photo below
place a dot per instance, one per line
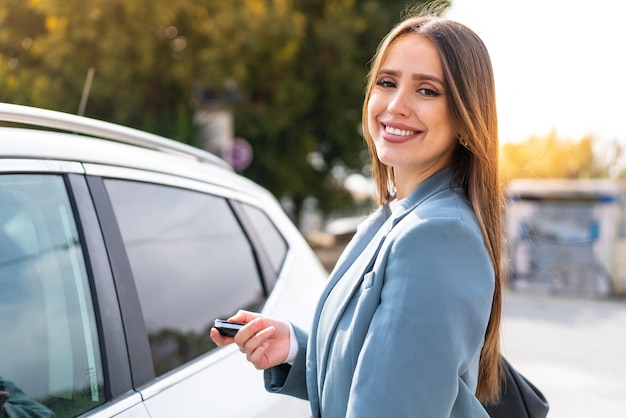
(398, 104)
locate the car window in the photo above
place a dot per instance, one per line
(50, 362)
(191, 262)
(272, 241)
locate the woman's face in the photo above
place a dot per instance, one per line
(408, 114)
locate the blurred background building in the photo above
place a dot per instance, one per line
(567, 236)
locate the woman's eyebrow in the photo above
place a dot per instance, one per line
(389, 72)
(427, 77)
(416, 76)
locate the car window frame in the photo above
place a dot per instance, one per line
(140, 358)
(113, 352)
(268, 273)
(111, 330)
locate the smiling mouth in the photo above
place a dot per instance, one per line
(399, 132)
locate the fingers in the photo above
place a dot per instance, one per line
(259, 358)
(244, 316)
(252, 327)
(219, 339)
(252, 340)
(3, 397)
(241, 316)
(265, 341)
(255, 341)
(256, 348)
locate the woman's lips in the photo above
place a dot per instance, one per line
(398, 133)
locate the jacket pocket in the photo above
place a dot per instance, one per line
(368, 280)
(366, 283)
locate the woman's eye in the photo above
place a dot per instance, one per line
(428, 92)
(385, 83)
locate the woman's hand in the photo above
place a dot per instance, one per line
(264, 340)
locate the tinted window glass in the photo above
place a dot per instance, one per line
(273, 242)
(191, 263)
(49, 350)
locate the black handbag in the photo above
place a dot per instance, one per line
(518, 397)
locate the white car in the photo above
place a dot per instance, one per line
(118, 250)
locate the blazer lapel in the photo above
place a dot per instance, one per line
(336, 301)
(363, 240)
(357, 244)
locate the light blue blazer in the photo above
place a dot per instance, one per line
(399, 329)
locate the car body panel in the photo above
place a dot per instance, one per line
(220, 383)
(131, 406)
(238, 392)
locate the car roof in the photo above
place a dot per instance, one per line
(97, 142)
(44, 118)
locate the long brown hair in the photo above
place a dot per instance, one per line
(472, 108)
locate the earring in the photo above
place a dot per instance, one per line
(462, 140)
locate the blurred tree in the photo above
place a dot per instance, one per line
(295, 67)
(300, 69)
(142, 70)
(553, 157)
(19, 26)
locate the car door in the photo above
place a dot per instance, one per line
(190, 261)
(63, 352)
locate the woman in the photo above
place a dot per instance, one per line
(409, 322)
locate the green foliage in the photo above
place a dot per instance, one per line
(296, 68)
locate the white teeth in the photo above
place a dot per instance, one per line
(400, 132)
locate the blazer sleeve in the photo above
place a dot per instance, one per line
(286, 379)
(428, 329)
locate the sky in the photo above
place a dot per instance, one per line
(559, 65)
